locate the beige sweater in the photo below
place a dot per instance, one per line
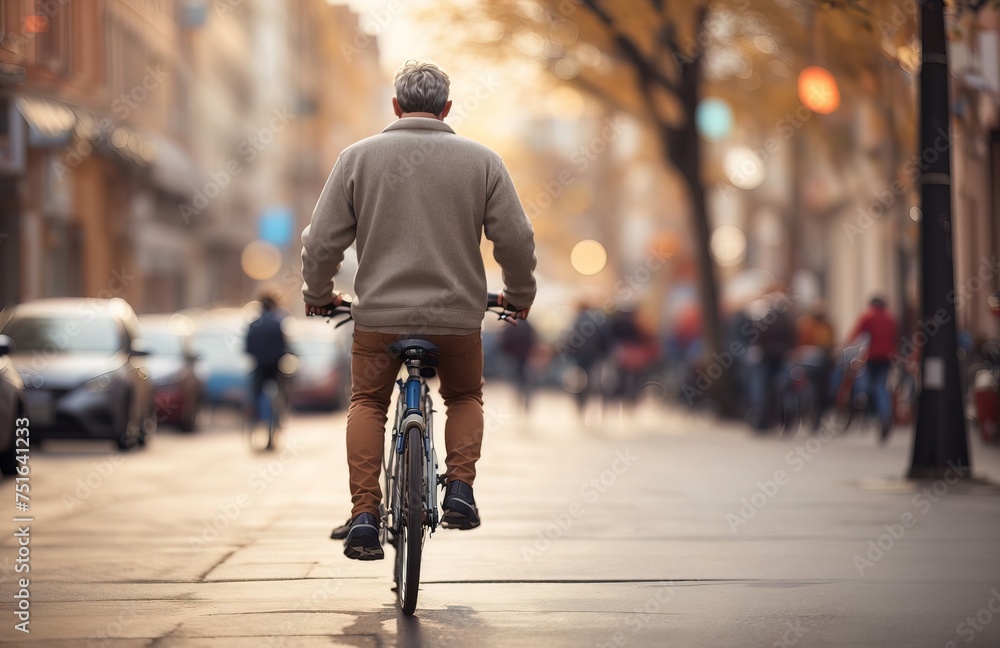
(417, 198)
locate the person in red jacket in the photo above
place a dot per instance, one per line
(883, 333)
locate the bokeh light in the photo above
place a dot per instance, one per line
(729, 245)
(744, 168)
(714, 119)
(818, 90)
(588, 257)
(260, 260)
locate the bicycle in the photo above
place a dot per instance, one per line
(410, 513)
(269, 409)
(854, 404)
(798, 398)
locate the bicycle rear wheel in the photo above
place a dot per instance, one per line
(273, 421)
(409, 544)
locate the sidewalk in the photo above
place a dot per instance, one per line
(660, 529)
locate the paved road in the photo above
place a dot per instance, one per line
(646, 530)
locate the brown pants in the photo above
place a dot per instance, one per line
(374, 372)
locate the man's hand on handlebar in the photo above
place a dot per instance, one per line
(506, 305)
(324, 311)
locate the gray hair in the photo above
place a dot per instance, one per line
(421, 86)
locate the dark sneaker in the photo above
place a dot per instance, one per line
(341, 532)
(362, 539)
(459, 506)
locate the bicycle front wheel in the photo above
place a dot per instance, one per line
(409, 545)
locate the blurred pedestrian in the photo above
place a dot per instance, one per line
(883, 334)
(814, 329)
(816, 340)
(518, 344)
(772, 335)
(588, 343)
(634, 351)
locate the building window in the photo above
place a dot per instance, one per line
(49, 25)
(11, 26)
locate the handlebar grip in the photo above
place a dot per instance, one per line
(493, 301)
(330, 310)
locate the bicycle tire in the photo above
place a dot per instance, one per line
(410, 541)
(272, 429)
(273, 423)
(837, 420)
(786, 408)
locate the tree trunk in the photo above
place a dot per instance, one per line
(682, 148)
(940, 443)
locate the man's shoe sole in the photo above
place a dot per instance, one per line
(456, 520)
(363, 546)
(361, 552)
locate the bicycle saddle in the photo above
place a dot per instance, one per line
(427, 352)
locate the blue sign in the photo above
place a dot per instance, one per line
(193, 13)
(714, 119)
(275, 225)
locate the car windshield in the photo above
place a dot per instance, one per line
(163, 343)
(64, 334)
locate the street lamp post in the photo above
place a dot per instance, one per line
(941, 440)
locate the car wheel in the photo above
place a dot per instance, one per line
(8, 456)
(147, 428)
(128, 438)
(126, 442)
(189, 422)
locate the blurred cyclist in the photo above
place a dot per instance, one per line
(883, 332)
(416, 198)
(266, 344)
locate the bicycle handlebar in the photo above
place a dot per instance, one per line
(343, 309)
(332, 311)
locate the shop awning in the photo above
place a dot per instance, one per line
(172, 168)
(50, 122)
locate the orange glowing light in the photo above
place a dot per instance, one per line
(36, 24)
(818, 90)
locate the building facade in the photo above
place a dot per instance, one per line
(143, 144)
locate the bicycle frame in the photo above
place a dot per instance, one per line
(414, 408)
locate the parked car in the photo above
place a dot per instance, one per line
(219, 340)
(174, 368)
(322, 378)
(11, 408)
(81, 361)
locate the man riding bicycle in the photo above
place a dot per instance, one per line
(416, 199)
(266, 344)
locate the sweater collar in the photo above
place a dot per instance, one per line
(418, 123)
